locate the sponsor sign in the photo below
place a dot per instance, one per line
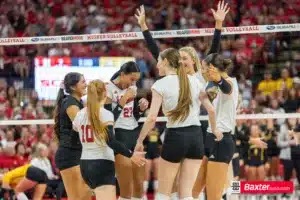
(72, 37)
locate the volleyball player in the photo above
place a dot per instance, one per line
(191, 63)
(256, 159)
(179, 96)
(152, 145)
(67, 157)
(121, 100)
(216, 68)
(23, 179)
(95, 126)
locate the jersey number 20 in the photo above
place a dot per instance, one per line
(87, 134)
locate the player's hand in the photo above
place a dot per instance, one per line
(143, 104)
(293, 142)
(221, 12)
(267, 166)
(130, 94)
(213, 74)
(141, 17)
(138, 158)
(219, 135)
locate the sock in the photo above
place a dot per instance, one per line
(201, 196)
(174, 196)
(155, 184)
(160, 196)
(21, 196)
(121, 198)
(146, 185)
(187, 198)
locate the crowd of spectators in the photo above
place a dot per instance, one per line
(266, 65)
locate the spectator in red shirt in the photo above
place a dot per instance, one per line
(20, 158)
(29, 112)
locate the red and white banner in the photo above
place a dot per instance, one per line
(262, 187)
(156, 34)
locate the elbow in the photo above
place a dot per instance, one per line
(211, 111)
(151, 119)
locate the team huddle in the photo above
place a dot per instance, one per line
(101, 140)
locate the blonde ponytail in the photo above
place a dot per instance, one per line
(182, 110)
(95, 91)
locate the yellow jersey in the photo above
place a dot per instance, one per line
(267, 87)
(14, 176)
(287, 82)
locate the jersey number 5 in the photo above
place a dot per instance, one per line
(87, 134)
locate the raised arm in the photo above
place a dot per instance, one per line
(219, 16)
(151, 44)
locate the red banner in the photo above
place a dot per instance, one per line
(266, 187)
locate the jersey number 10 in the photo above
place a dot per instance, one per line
(87, 134)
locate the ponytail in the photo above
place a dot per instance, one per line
(182, 110)
(59, 99)
(95, 92)
(116, 75)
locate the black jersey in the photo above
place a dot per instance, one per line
(67, 136)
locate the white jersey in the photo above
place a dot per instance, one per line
(126, 119)
(168, 88)
(226, 106)
(199, 76)
(92, 148)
